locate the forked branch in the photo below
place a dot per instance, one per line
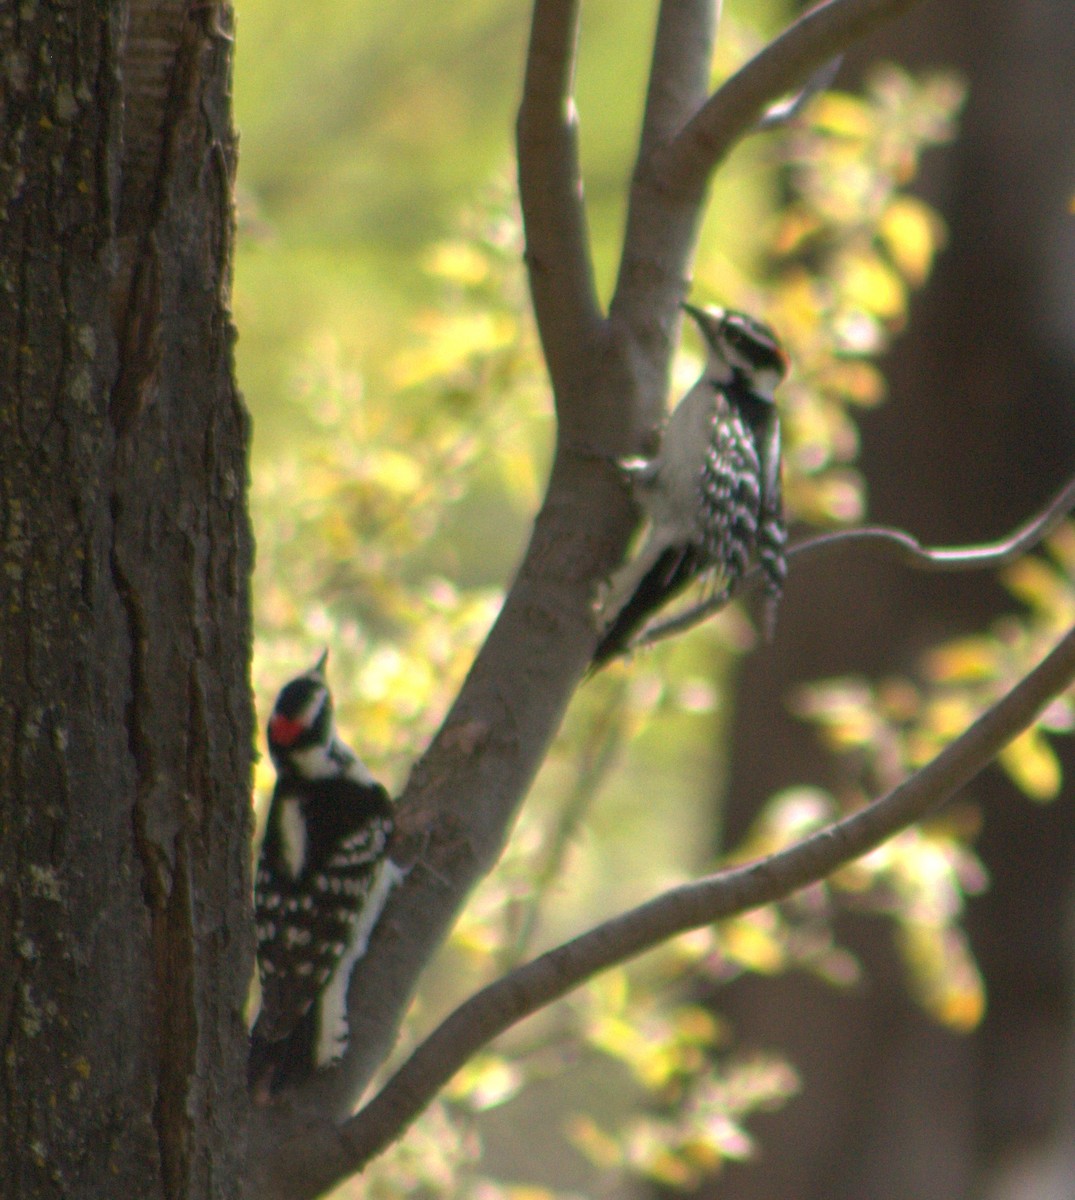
(610, 379)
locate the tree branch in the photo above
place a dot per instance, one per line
(550, 190)
(904, 546)
(528, 988)
(735, 108)
(662, 229)
(679, 69)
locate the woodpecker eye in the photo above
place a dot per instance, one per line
(756, 346)
(736, 338)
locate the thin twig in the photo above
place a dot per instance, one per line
(781, 114)
(602, 744)
(904, 546)
(528, 988)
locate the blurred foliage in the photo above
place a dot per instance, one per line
(898, 724)
(368, 542)
(887, 729)
(401, 447)
(846, 251)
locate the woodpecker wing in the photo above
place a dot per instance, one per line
(309, 898)
(772, 532)
(731, 494)
(675, 569)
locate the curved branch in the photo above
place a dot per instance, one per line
(735, 108)
(904, 546)
(528, 988)
(951, 558)
(550, 190)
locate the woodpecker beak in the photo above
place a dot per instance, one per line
(707, 319)
(319, 668)
(701, 314)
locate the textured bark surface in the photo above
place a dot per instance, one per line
(125, 712)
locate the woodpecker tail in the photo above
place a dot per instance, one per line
(275, 1065)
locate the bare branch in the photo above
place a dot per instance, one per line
(550, 190)
(736, 106)
(679, 70)
(662, 229)
(528, 988)
(904, 546)
(950, 558)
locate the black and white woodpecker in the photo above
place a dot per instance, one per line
(322, 879)
(712, 495)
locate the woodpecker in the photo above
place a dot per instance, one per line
(322, 880)
(712, 495)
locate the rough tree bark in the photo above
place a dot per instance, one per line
(125, 710)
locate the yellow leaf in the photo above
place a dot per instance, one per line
(457, 262)
(841, 114)
(667, 1168)
(795, 228)
(486, 1082)
(948, 716)
(859, 382)
(397, 473)
(968, 660)
(752, 945)
(1033, 766)
(696, 1024)
(619, 1038)
(1061, 545)
(1038, 585)
(946, 976)
(911, 233)
(869, 282)
(601, 1149)
(838, 495)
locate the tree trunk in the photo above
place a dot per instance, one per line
(125, 711)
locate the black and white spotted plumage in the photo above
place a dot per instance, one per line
(322, 879)
(712, 495)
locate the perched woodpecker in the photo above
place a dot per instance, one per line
(712, 495)
(322, 879)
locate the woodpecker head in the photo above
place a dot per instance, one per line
(301, 728)
(740, 349)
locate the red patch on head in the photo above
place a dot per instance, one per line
(283, 731)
